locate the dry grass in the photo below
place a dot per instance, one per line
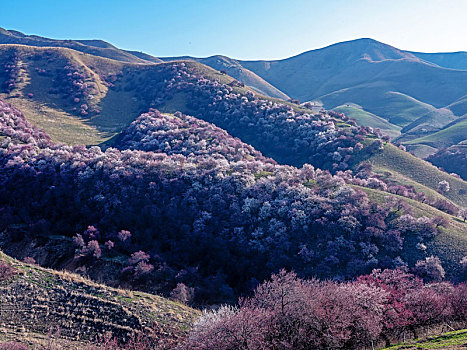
(37, 300)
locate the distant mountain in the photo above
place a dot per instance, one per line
(453, 60)
(94, 47)
(407, 89)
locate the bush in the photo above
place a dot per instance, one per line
(7, 271)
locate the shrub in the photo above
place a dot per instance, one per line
(7, 271)
(430, 269)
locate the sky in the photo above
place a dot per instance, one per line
(243, 29)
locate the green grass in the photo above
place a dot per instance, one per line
(450, 245)
(61, 126)
(401, 109)
(451, 135)
(410, 170)
(450, 340)
(395, 107)
(369, 119)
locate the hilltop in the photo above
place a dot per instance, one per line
(94, 47)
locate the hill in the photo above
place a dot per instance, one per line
(38, 302)
(406, 169)
(112, 94)
(94, 47)
(452, 60)
(453, 133)
(369, 119)
(368, 73)
(420, 93)
(237, 71)
(452, 159)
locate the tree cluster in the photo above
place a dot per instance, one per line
(287, 312)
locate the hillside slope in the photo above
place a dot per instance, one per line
(112, 94)
(452, 159)
(36, 301)
(237, 71)
(406, 169)
(420, 93)
(452, 60)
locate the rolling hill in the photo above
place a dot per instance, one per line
(38, 303)
(205, 205)
(110, 94)
(407, 89)
(94, 47)
(77, 98)
(417, 92)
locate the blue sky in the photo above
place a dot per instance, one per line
(245, 29)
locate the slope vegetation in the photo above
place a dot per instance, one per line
(237, 71)
(40, 301)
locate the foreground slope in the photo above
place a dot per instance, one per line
(36, 301)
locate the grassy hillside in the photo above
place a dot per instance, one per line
(453, 134)
(368, 119)
(446, 341)
(453, 60)
(94, 47)
(459, 107)
(37, 300)
(365, 63)
(419, 92)
(410, 170)
(450, 245)
(452, 159)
